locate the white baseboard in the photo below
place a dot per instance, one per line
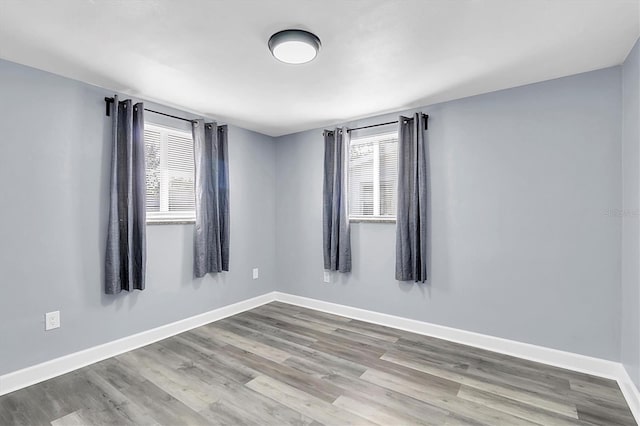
(568, 360)
(571, 361)
(58, 366)
(630, 392)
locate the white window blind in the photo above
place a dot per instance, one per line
(169, 174)
(373, 177)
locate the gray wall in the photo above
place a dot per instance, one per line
(525, 242)
(54, 158)
(525, 234)
(630, 325)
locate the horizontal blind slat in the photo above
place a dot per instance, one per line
(152, 169)
(388, 177)
(175, 171)
(364, 180)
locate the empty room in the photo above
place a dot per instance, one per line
(305, 212)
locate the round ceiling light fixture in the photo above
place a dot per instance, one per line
(294, 46)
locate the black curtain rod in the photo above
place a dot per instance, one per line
(108, 101)
(425, 116)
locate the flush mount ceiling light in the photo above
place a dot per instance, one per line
(294, 46)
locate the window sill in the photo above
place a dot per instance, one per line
(171, 221)
(372, 220)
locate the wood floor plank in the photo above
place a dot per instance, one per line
(249, 345)
(283, 308)
(600, 407)
(494, 360)
(376, 413)
(413, 388)
(483, 368)
(590, 390)
(320, 364)
(353, 326)
(270, 330)
(205, 363)
(299, 327)
(114, 372)
(18, 409)
(71, 419)
(192, 392)
(283, 344)
(48, 402)
(555, 386)
(290, 376)
(249, 407)
(353, 352)
(376, 342)
(281, 364)
(532, 398)
(315, 408)
(419, 412)
(119, 405)
(516, 408)
(161, 406)
(235, 403)
(598, 416)
(453, 404)
(86, 417)
(317, 361)
(96, 399)
(301, 322)
(322, 315)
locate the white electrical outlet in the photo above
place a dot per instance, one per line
(327, 276)
(255, 273)
(52, 320)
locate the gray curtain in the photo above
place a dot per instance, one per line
(335, 220)
(411, 219)
(125, 261)
(211, 232)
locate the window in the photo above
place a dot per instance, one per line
(373, 177)
(169, 174)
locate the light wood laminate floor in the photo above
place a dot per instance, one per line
(280, 364)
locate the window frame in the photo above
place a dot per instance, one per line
(167, 217)
(376, 137)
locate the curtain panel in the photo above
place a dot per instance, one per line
(411, 219)
(335, 221)
(211, 231)
(125, 260)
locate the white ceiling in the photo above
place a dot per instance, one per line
(378, 56)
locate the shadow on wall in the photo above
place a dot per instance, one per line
(187, 259)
